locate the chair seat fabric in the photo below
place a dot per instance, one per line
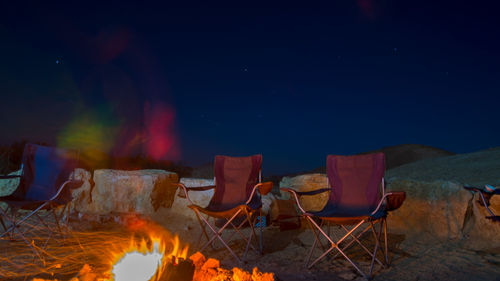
(254, 204)
(21, 203)
(332, 212)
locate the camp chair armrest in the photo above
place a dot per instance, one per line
(296, 196)
(263, 187)
(395, 200)
(9, 177)
(71, 184)
(186, 190)
(382, 200)
(401, 196)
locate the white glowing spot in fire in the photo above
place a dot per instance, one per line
(135, 266)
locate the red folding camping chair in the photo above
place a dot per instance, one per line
(238, 191)
(357, 198)
(44, 189)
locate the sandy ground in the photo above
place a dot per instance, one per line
(412, 258)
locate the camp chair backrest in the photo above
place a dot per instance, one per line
(235, 178)
(355, 182)
(45, 169)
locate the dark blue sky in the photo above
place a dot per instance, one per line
(293, 81)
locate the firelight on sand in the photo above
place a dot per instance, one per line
(144, 263)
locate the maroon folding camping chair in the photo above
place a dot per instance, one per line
(357, 198)
(238, 190)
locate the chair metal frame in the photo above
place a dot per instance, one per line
(249, 213)
(320, 233)
(14, 225)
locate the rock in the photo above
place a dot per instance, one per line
(482, 233)
(307, 182)
(201, 198)
(141, 191)
(436, 202)
(7, 186)
(267, 201)
(82, 195)
(437, 208)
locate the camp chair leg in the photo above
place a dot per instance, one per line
(5, 228)
(68, 214)
(57, 220)
(261, 226)
(377, 238)
(317, 234)
(217, 234)
(384, 252)
(314, 243)
(249, 241)
(385, 242)
(335, 246)
(356, 239)
(14, 227)
(12, 220)
(3, 224)
(252, 234)
(252, 227)
(204, 232)
(352, 240)
(317, 239)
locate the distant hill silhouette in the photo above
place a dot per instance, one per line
(475, 168)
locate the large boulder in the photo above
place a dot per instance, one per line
(308, 182)
(438, 204)
(141, 191)
(481, 232)
(81, 196)
(438, 208)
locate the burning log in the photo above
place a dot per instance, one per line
(182, 270)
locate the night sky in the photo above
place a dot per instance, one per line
(294, 81)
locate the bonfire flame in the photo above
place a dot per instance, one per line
(146, 261)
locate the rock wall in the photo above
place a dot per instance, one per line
(82, 195)
(115, 191)
(437, 208)
(480, 232)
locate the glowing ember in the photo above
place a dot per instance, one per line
(143, 262)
